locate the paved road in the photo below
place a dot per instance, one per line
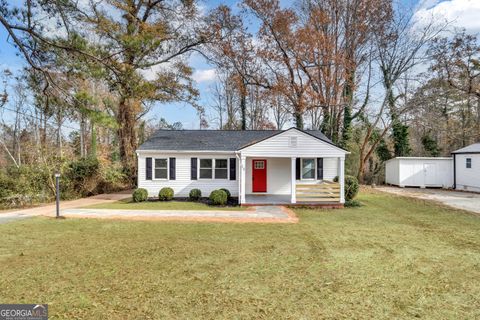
(461, 200)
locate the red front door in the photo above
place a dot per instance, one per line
(259, 175)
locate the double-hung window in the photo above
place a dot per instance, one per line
(206, 168)
(221, 169)
(161, 169)
(469, 163)
(213, 169)
(308, 169)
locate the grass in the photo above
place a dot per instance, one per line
(128, 204)
(393, 258)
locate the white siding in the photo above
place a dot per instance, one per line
(183, 184)
(420, 172)
(278, 174)
(281, 146)
(330, 168)
(468, 179)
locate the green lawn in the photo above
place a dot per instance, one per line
(394, 258)
(160, 205)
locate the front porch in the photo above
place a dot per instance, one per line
(291, 181)
(323, 193)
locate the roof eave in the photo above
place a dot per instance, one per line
(466, 152)
(184, 151)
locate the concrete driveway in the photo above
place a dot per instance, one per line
(455, 199)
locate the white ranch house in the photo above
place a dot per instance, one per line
(257, 166)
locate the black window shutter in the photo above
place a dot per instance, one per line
(173, 166)
(193, 169)
(298, 168)
(233, 168)
(320, 168)
(148, 168)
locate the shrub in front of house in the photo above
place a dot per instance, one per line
(140, 195)
(351, 187)
(229, 195)
(165, 194)
(195, 194)
(218, 198)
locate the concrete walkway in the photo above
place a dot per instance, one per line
(7, 217)
(50, 209)
(455, 199)
(275, 214)
(272, 214)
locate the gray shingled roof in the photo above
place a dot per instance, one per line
(215, 140)
(473, 148)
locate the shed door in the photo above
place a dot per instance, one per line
(259, 175)
(430, 173)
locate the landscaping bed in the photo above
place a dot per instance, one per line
(175, 204)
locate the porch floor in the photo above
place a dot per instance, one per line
(267, 199)
(284, 199)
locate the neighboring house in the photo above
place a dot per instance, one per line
(257, 166)
(419, 172)
(466, 174)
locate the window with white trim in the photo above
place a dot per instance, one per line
(206, 169)
(469, 163)
(221, 169)
(308, 169)
(161, 168)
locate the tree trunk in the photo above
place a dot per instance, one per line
(82, 137)
(325, 125)
(347, 111)
(43, 135)
(400, 131)
(16, 139)
(141, 137)
(127, 137)
(93, 144)
(59, 139)
(361, 164)
(243, 108)
(298, 118)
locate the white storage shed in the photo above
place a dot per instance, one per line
(419, 172)
(467, 168)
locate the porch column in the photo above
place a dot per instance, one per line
(293, 179)
(243, 169)
(341, 178)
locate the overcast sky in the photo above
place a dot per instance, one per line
(461, 14)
